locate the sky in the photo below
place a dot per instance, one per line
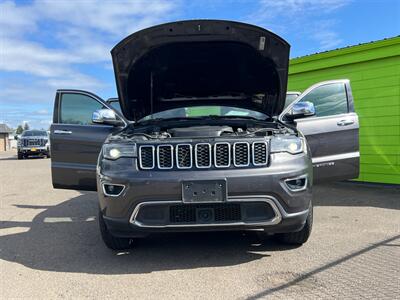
(50, 44)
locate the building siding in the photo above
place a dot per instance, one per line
(374, 73)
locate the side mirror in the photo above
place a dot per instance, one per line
(301, 110)
(106, 116)
(16, 137)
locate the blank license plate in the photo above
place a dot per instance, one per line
(204, 191)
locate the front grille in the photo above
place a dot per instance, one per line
(212, 213)
(34, 142)
(203, 155)
(189, 213)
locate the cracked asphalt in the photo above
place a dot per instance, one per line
(50, 247)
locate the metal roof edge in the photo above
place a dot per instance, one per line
(346, 50)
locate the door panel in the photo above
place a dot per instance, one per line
(332, 133)
(334, 148)
(75, 141)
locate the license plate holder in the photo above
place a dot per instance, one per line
(203, 191)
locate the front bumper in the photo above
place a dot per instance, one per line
(34, 150)
(251, 185)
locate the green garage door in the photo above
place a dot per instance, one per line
(374, 72)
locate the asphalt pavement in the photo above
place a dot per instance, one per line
(50, 247)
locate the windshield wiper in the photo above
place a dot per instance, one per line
(233, 117)
(151, 120)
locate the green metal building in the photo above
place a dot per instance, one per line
(374, 73)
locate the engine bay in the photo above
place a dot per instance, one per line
(181, 130)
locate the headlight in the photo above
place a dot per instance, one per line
(292, 145)
(115, 151)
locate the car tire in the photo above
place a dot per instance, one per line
(298, 237)
(48, 155)
(20, 156)
(113, 242)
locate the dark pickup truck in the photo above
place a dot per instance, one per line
(33, 143)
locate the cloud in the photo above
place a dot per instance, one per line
(309, 19)
(113, 17)
(41, 112)
(47, 44)
(16, 19)
(296, 8)
(326, 36)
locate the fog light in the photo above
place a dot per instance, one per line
(296, 184)
(113, 190)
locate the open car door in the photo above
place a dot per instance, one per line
(332, 133)
(75, 140)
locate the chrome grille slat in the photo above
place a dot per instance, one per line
(241, 154)
(183, 154)
(204, 155)
(147, 157)
(165, 156)
(260, 153)
(222, 155)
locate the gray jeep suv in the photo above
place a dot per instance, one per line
(203, 141)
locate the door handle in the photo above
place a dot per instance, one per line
(62, 132)
(345, 122)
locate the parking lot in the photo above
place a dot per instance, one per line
(51, 247)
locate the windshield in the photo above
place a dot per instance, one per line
(34, 133)
(205, 111)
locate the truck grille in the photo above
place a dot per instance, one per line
(34, 142)
(203, 155)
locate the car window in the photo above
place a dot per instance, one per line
(328, 99)
(78, 109)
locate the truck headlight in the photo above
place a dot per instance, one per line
(115, 151)
(292, 145)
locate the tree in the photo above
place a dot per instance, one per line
(19, 129)
(26, 126)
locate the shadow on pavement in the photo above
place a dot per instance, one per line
(14, 157)
(66, 238)
(334, 263)
(357, 194)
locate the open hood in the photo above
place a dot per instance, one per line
(201, 62)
